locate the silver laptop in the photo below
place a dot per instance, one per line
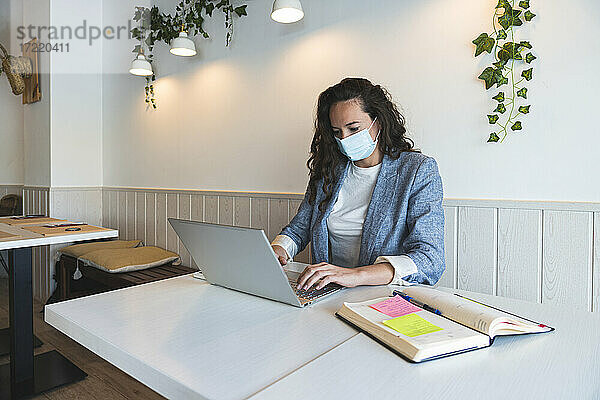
(242, 259)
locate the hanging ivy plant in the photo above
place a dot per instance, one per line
(154, 26)
(510, 58)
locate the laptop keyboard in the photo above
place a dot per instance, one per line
(313, 293)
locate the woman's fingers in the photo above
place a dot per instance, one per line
(308, 273)
(282, 260)
(325, 281)
(315, 277)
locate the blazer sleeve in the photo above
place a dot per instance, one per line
(299, 227)
(425, 221)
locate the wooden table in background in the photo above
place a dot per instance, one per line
(26, 375)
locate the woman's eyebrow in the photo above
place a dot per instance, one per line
(353, 122)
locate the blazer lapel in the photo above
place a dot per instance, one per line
(381, 201)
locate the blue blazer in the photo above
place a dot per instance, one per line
(405, 216)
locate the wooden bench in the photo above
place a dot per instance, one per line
(94, 280)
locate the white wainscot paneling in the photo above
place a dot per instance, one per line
(477, 244)
(567, 252)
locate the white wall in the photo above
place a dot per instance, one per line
(36, 124)
(241, 118)
(76, 127)
(11, 109)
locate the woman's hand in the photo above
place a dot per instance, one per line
(324, 273)
(281, 254)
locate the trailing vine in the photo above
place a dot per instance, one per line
(503, 71)
(154, 26)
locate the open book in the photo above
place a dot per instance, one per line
(453, 324)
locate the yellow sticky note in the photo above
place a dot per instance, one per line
(411, 325)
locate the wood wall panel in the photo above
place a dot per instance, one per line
(449, 277)
(197, 207)
(520, 253)
(567, 267)
(130, 216)
(278, 216)
(259, 213)
(140, 216)
(172, 239)
(596, 266)
(241, 211)
(150, 234)
(122, 200)
(477, 249)
(184, 213)
(226, 210)
(211, 209)
(161, 220)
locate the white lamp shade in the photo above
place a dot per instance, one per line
(140, 66)
(287, 11)
(183, 46)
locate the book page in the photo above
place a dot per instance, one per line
(447, 331)
(463, 311)
(469, 312)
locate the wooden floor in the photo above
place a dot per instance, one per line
(104, 381)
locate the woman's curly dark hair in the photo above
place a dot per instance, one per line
(325, 155)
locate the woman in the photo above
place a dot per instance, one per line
(373, 206)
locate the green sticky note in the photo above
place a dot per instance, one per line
(411, 325)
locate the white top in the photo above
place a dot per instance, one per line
(345, 225)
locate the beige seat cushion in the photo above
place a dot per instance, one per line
(77, 250)
(127, 260)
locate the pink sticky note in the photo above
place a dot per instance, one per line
(395, 307)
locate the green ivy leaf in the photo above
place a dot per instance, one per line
(499, 64)
(528, 15)
(516, 126)
(501, 108)
(493, 137)
(501, 34)
(503, 4)
(529, 58)
(510, 18)
(499, 97)
(488, 75)
(525, 43)
(510, 50)
(524, 109)
(527, 74)
(524, 4)
(483, 43)
(241, 10)
(522, 93)
(493, 118)
(502, 80)
(137, 48)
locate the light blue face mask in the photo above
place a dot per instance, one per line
(359, 145)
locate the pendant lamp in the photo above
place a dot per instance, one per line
(183, 45)
(287, 11)
(140, 66)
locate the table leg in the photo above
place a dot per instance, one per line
(27, 374)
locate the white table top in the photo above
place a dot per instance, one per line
(564, 364)
(187, 339)
(30, 239)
